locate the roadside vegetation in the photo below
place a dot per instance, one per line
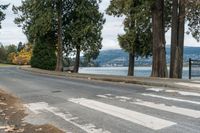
(61, 31)
(145, 25)
(4, 65)
(12, 54)
(66, 28)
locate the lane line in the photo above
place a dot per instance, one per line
(185, 93)
(171, 98)
(43, 106)
(129, 115)
(173, 109)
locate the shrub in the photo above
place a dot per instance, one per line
(44, 56)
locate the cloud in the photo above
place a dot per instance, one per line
(10, 33)
(188, 41)
(110, 44)
(112, 28)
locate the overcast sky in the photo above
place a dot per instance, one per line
(11, 34)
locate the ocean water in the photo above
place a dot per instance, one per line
(122, 71)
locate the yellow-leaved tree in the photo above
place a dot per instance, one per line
(23, 57)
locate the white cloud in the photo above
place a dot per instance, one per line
(188, 41)
(112, 28)
(110, 44)
(10, 33)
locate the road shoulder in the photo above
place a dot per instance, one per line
(12, 113)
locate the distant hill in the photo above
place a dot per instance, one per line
(120, 58)
(107, 56)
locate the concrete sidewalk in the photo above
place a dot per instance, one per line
(150, 81)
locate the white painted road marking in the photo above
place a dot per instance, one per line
(129, 115)
(123, 98)
(42, 106)
(185, 93)
(173, 109)
(195, 81)
(155, 89)
(171, 98)
(189, 84)
(103, 96)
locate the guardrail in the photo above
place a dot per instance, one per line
(194, 68)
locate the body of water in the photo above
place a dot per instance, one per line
(122, 71)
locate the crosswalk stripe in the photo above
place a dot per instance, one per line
(129, 115)
(188, 84)
(39, 107)
(173, 109)
(195, 81)
(185, 93)
(171, 98)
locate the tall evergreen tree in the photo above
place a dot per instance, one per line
(2, 14)
(193, 18)
(137, 38)
(3, 56)
(39, 18)
(44, 55)
(83, 32)
(2, 49)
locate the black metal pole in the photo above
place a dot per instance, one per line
(190, 68)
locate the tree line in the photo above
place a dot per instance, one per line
(61, 29)
(17, 55)
(145, 25)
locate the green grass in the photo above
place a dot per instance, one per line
(4, 65)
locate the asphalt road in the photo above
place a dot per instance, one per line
(84, 106)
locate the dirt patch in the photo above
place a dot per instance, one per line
(12, 113)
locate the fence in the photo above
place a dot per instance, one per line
(194, 68)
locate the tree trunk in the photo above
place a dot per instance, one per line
(176, 66)
(181, 37)
(131, 64)
(59, 63)
(174, 37)
(159, 67)
(181, 32)
(77, 60)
